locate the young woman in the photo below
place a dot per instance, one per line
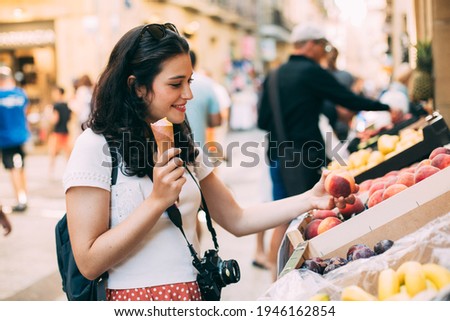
(124, 229)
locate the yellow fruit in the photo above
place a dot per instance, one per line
(437, 274)
(320, 297)
(402, 296)
(388, 284)
(386, 143)
(411, 274)
(355, 293)
(401, 270)
(375, 157)
(430, 285)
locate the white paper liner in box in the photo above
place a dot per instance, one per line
(431, 243)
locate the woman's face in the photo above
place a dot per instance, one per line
(171, 90)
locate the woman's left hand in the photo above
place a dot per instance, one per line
(320, 199)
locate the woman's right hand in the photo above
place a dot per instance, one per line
(168, 177)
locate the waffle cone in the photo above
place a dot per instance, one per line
(163, 132)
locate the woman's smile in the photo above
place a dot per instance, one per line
(180, 108)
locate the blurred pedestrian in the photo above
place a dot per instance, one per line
(303, 85)
(14, 133)
(124, 229)
(59, 139)
(243, 107)
(203, 111)
(4, 222)
(81, 103)
(339, 117)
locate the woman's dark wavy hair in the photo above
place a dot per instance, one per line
(120, 115)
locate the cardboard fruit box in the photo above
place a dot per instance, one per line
(391, 219)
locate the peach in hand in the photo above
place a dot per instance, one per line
(340, 183)
(350, 209)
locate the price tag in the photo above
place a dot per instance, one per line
(295, 259)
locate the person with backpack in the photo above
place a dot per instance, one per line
(127, 229)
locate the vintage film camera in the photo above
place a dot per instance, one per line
(214, 274)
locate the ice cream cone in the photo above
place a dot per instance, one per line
(163, 132)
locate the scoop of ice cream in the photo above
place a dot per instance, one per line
(163, 132)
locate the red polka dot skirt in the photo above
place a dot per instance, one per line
(185, 291)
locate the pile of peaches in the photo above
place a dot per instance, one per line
(394, 182)
(341, 183)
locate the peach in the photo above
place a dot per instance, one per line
(375, 198)
(424, 162)
(405, 179)
(340, 183)
(390, 181)
(423, 172)
(375, 187)
(392, 190)
(441, 161)
(365, 186)
(391, 173)
(438, 151)
(321, 214)
(351, 209)
(328, 223)
(311, 229)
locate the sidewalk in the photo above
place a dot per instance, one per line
(28, 268)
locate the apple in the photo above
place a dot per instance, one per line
(328, 223)
(392, 190)
(340, 183)
(441, 161)
(423, 172)
(351, 209)
(311, 229)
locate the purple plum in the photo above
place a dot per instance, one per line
(383, 246)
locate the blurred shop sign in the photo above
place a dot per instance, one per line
(38, 37)
(268, 49)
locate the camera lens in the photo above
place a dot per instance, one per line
(230, 272)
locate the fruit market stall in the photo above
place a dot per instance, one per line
(415, 267)
(387, 209)
(392, 152)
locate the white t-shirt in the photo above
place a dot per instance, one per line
(163, 256)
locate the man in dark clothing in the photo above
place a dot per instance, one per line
(303, 86)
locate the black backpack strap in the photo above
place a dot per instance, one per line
(101, 281)
(115, 161)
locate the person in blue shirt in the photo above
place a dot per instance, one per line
(13, 134)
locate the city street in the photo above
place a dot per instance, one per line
(28, 268)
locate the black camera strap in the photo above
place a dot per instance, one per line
(175, 216)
